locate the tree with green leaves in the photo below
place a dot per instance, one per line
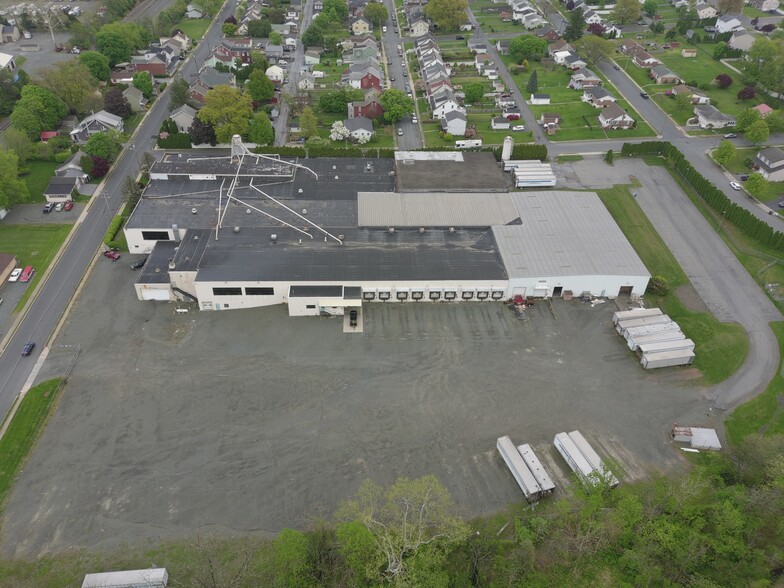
(649, 7)
(308, 123)
(682, 101)
(337, 7)
(115, 103)
(290, 560)
(376, 13)
(609, 157)
(209, 7)
(13, 190)
(337, 101)
(729, 6)
(474, 91)
(179, 93)
(626, 11)
(313, 37)
(97, 63)
(396, 104)
(18, 142)
(259, 29)
(202, 133)
(114, 46)
(528, 47)
(757, 132)
(447, 14)
(72, 82)
(575, 27)
(228, 111)
(757, 185)
(746, 118)
(104, 144)
(142, 81)
(594, 49)
(533, 83)
(229, 29)
(261, 131)
(411, 522)
(275, 38)
(38, 110)
(725, 152)
(259, 86)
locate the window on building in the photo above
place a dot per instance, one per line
(227, 291)
(310, 306)
(156, 236)
(260, 291)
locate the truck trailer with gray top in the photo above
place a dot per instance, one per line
(621, 326)
(667, 359)
(533, 463)
(674, 335)
(622, 315)
(520, 472)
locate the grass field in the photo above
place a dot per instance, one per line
(37, 178)
(195, 28)
(34, 245)
(23, 431)
(737, 166)
(722, 346)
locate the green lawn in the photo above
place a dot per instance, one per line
(23, 432)
(721, 347)
(738, 166)
(34, 245)
(195, 28)
(37, 178)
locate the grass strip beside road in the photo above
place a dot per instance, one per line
(23, 432)
(721, 348)
(34, 245)
(763, 415)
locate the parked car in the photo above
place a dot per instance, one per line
(414, 120)
(400, 131)
(68, 206)
(391, 78)
(139, 263)
(616, 66)
(352, 318)
(15, 275)
(59, 206)
(735, 186)
(781, 203)
(744, 177)
(730, 136)
(28, 349)
(48, 207)
(460, 38)
(113, 255)
(644, 95)
(518, 128)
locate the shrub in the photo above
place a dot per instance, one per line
(175, 141)
(62, 157)
(658, 286)
(111, 232)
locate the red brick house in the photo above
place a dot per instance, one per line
(370, 107)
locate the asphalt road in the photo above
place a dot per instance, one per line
(66, 273)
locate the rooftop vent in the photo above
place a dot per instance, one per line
(451, 229)
(300, 191)
(391, 230)
(194, 211)
(334, 167)
(236, 229)
(247, 211)
(341, 237)
(337, 177)
(273, 237)
(304, 211)
(421, 230)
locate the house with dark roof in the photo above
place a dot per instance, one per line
(135, 98)
(361, 128)
(663, 75)
(771, 164)
(697, 96)
(62, 188)
(584, 78)
(614, 117)
(454, 123)
(642, 58)
(709, 117)
(99, 122)
(598, 97)
(370, 107)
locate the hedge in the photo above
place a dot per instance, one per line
(523, 151)
(746, 222)
(111, 232)
(175, 141)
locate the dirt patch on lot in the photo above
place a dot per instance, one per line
(691, 299)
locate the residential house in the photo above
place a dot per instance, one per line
(540, 99)
(592, 17)
(454, 122)
(179, 40)
(306, 83)
(560, 56)
(548, 33)
(152, 63)
(135, 98)
(550, 122)
(584, 78)
(361, 128)
(727, 23)
(62, 188)
(363, 75)
(481, 60)
(688, 53)
(499, 123)
(312, 57)
(763, 109)
(662, 75)
(198, 91)
(435, 73)
(741, 39)
(274, 53)
(705, 11)
(318, 6)
(439, 86)
(72, 169)
(192, 12)
(512, 112)
(771, 164)
(442, 103)
(558, 46)
(574, 62)
(765, 5)
(697, 97)
(475, 44)
(275, 73)
(9, 34)
(419, 28)
(504, 100)
(211, 77)
(7, 62)
(183, 117)
(96, 123)
(502, 45)
(628, 47)
(598, 97)
(642, 58)
(709, 117)
(360, 25)
(612, 31)
(370, 107)
(614, 117)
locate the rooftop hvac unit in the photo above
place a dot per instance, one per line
(421, 229)
(273, 237)
(247, 211)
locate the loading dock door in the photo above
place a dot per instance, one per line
(156, 294)
(625, 290)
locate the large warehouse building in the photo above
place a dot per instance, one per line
(325, 234)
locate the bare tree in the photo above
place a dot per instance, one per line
(219, 563)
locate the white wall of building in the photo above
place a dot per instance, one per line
(596, 285)
(138, 244)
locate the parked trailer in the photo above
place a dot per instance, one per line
(526, 164)
(520, 472)
(576, 460)
(665, 346)
(635, 313)
(593, 458)
(650, 330)
(635, 342)
(667, 359)
(468, 143)
(533, 463)
(621, 326)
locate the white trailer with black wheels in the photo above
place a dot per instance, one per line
(520, 472)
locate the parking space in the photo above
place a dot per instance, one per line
(10, 294)
(252, 420)
(34, 214)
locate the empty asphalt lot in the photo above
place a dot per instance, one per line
(174, 424)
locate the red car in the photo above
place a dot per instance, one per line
(113, 255)
(68, 205)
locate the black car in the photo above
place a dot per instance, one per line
(28, 349)
(352, 318)
(138, 264)
(644, 95)
(744, 177)
(460, 38)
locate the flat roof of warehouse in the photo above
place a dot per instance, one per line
(565, 233)
(251, 255)
(453, 172)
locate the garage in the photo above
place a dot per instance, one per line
(163, 294)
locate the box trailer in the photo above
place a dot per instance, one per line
(576, 460)
(673, 335)
(146, 578)
(664, 346)
(593, 458)
(635, 313)
(533, 463)
(520, 472)
(667, 359)
(649, 330)
(621, 326)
